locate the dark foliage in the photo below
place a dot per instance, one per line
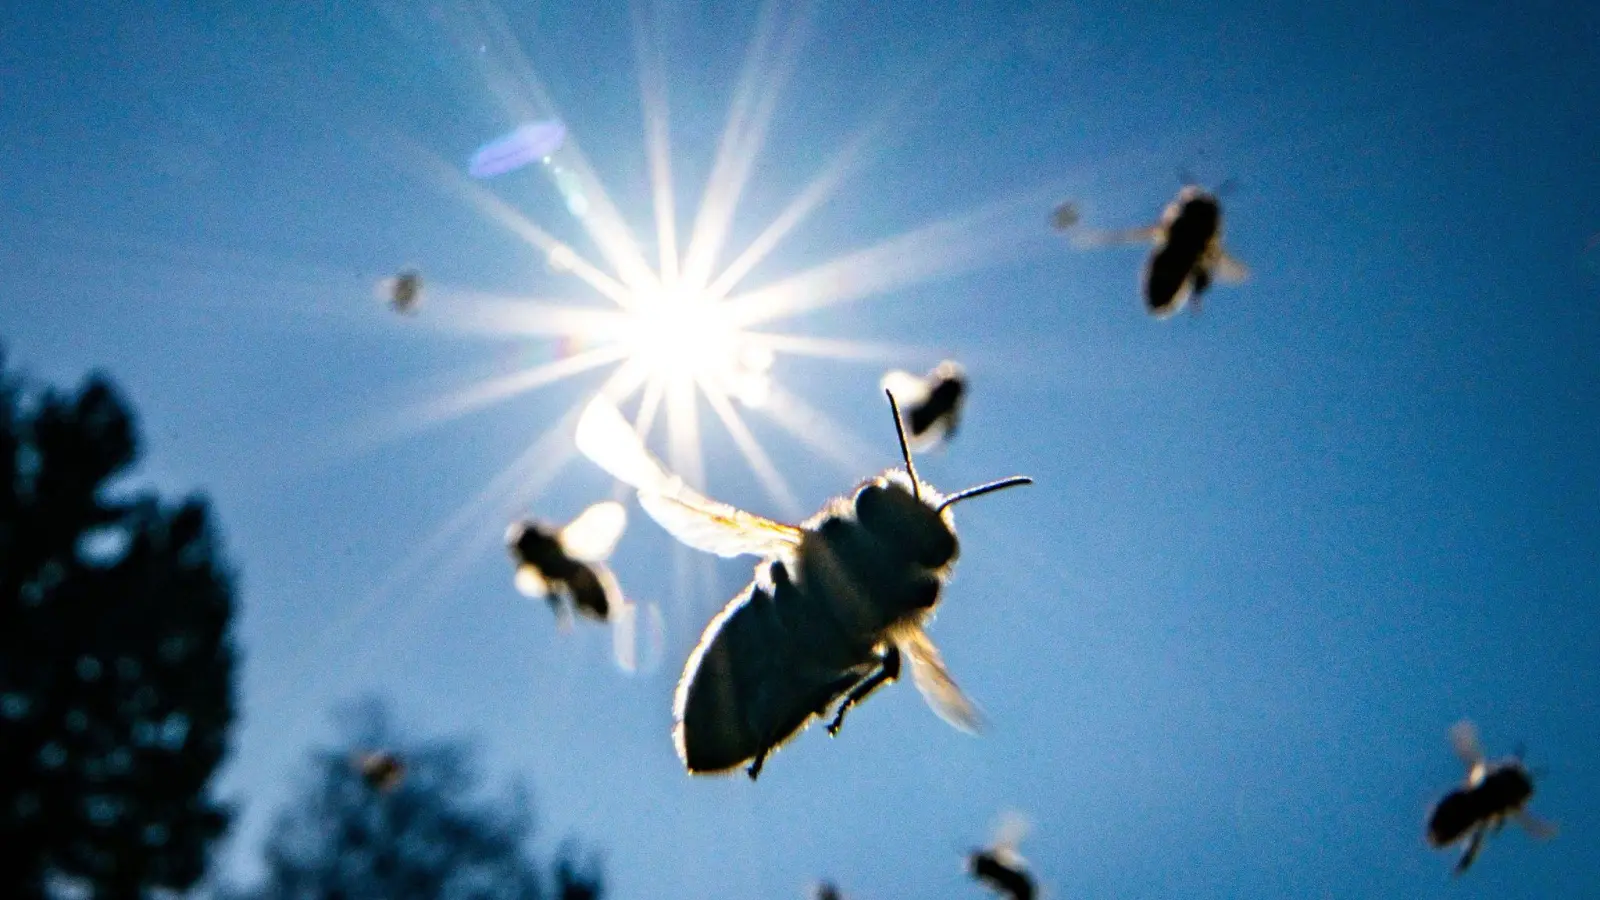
(116, 666)
(425, 835)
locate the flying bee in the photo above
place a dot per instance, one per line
(380, 769)
(835, 606)
(1188, 253)
(403, 291)
(931, 404)
(826, 890)
(1064, 216)
(567, 567)
(1494, 792)
(999, 866)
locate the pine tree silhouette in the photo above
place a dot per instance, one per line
(425, 835)
(116, 666)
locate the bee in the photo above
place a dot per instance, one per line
(999, 866)
(403, 291)
(380, 769)
(567, 567)
(1493, 793)
(826, 890)
(836, 604)
(1188, 253)
(931, 404)
(1065, 216)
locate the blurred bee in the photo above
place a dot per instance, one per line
(1000, 867)
(1064, 216)
(1493, 793)
(1188, 253)
(403, 291)
(381, 770)
(826, 890)
(566, 567)
(930, 405)
(836, 603)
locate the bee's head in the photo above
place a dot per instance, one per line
(530, 542)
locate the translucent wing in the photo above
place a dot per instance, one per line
(594, 533)
(934, 681)
(1536, 827)
(530, 583)
(609, 442)
(1224, 267)
(1464, 738)
(908, 389)
(698, 521)
(718, 528)
(1090, 239)
(1009, 831)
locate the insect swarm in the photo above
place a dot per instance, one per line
(931, 405)
(835, 606)
(566, 567)
(1493, 793)
(1188, 252)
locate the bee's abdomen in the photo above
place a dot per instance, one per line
(588, 593)
(1454, 816)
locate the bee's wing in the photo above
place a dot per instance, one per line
(1225, 267)
(908, 389)
(934, 681)
(696, 520)
(530, 583)
(594, 533)
(706, 524)
(1536, 827)
(1009, 831)
(1090, 238)
(1464, 738)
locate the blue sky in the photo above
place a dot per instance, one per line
(1274, 549)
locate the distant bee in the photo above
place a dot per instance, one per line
(381, 770)
(826, 890)
(1064, 217)
(1188, 253)
(567, 568)
(403, 291)
(931, 405)
(835, 605)
(1000, 867)
(1494, 792)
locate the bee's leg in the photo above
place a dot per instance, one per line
(888, 670)
(754, 769)
(1474, 844)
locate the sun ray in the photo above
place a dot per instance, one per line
(450, 179)
(509, 69)
(657, 140)
(826, 437)
(476, 396)
(683, 431)
(649, 404)
(760, 463)
(950, 246)
(425, 553)
(744, 134)
(822, 186)
(839, 348)
(513, 318)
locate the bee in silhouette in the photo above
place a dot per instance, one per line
(931, 405)
(566, 567)
(999, 866)
(403, 291)
(1188, 253)
(1064, 216)
(826, 890)
(1494, 792)
(381, 770)
(836, 605)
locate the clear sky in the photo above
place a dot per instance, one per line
(1274, 549)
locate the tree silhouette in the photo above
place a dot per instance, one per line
(361, 832)
(116, 668)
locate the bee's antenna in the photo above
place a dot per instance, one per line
(982, 489)
(905, 449)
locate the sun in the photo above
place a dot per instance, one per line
(678, 334)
